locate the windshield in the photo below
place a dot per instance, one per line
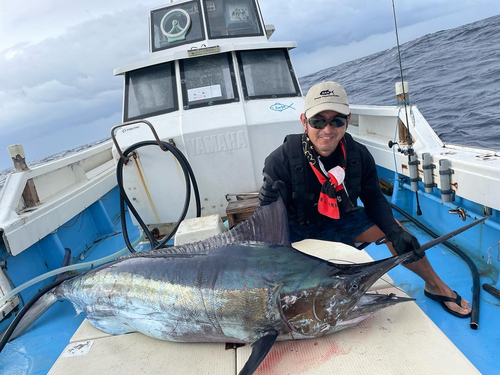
(150, 91)
(267, 74)
(208, 80)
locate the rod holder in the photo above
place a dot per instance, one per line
(428, 167)
(413, 166)
(445, 172)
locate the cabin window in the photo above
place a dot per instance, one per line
(208, 80)
(150, 91)
(176, 25)
(232, 18)
(267, 74)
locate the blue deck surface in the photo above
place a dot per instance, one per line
(480, 346)
(36, 351)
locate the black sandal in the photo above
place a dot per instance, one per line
(443, 299)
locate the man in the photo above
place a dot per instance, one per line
(321, 173)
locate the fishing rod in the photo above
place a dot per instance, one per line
(412, 159)
(408, 138)
(474, 317)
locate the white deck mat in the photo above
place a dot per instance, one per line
(87, 331)
(397, 340)
(135, 353)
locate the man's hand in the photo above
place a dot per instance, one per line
(270, 191)
(404, 242)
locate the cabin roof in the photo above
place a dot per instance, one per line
(180, 54)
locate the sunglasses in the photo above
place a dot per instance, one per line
(320, 123)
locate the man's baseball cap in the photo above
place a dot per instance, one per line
(324, 96)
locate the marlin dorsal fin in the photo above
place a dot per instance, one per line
(267, 224)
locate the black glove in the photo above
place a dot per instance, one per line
(404, 242)
(270, 191)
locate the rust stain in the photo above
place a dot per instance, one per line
(455, 185)
(179, 169)
(404, 166)
(146, 190)
(486, 156)
(300, 356)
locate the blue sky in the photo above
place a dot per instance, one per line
(57, 89)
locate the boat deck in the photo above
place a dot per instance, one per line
(480, 346)
(373, 344)
(365, 347)
(37, 349)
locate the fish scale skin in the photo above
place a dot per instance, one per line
(234, 293)
(169, 311)
(214, 298)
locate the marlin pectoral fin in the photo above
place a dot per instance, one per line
(260, 348)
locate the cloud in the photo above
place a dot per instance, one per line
(33, 20)
(57, 57)
(67, 81)
(342, 22)
(373, 30)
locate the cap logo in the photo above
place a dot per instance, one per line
(326, 96)
(327, 93)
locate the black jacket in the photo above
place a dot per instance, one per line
(288, 164)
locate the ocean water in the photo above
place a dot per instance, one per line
(453, 75)
(454, 78)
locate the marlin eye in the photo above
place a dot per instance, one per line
(354, 286)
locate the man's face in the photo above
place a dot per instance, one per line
(325, 140)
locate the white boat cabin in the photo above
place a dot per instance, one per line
(217, 89)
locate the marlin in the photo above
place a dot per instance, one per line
(248, 285)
